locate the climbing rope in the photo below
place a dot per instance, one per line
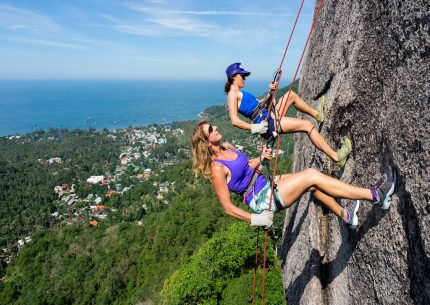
(272, 95)
(277, 126)
(256, 265)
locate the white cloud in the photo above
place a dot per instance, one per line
(232, 13)
(142, 28)
(168, 23)
(192, 22)
(109, 18)
(162, 25)
(14, 18)
(42, 42)
(188, 59)
(177, 27)
(185, 25)
(137, 29)
(146, 9)
(15, 27)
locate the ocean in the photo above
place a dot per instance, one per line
(28, 105)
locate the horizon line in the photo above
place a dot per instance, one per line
(123, 79)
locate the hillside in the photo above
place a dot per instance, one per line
(136, 232)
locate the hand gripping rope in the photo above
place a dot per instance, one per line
(271, 138)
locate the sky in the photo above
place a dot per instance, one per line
(148, 39)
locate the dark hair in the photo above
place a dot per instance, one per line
(228, 84)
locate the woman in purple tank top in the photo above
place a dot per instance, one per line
(231, 170)
(244, 103)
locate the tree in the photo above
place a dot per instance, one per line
(227, 256)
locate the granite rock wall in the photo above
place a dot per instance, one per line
(371, 60)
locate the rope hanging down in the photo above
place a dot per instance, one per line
(277, 126)
(272, 95)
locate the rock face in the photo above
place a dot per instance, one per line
(371, 59)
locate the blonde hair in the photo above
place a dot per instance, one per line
(202, 151)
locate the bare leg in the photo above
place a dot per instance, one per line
(325, 199)
(329, 202)
(289, 125)
(298, 102)
(292, 186)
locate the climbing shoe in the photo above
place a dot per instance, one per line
(385, 187)
(320, 109)
(352, 207)
(344, 151)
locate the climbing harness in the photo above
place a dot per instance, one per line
(250, 187)
(266, 103)
(270, 140)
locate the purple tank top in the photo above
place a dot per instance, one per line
(241, 174)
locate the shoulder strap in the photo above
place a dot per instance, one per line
(261, 105)
(256, 173)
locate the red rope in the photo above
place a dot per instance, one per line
(291, 35)
(279, 140)
(303, 53)
(255, 268)
(262, 147)
(286, 48)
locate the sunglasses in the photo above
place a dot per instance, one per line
(243, 76)
(210, 130)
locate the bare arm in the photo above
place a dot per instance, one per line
(219, 182)
(265, 155)
(233, 111)
(253, 163)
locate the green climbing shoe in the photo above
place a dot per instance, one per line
(320, 109)
(344, 151)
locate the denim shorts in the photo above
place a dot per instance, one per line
(260, 201)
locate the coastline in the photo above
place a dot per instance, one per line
(29, 106)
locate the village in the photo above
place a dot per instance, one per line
(94, 207)
(131, 168)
